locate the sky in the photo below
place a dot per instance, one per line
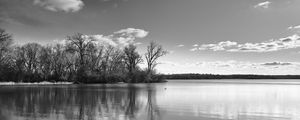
(202, 36)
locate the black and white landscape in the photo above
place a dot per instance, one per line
(149, 60)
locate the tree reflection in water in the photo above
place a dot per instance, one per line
(87, 102)
(152, 109)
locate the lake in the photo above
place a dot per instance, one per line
(174, 100)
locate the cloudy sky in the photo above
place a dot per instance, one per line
(202, 36)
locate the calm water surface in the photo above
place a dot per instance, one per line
(175, 100)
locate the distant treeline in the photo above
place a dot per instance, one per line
(78, 59)
(213, 76)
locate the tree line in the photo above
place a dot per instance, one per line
(79, 60)
(234, 76)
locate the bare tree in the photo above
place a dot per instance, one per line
(19, 61)
(45, 62)
(5, 43)
(71, 65)
(31, 53)
(59, 61)
(154, 51)
(78, 43)
(6, 61)
(94, 54)
(105, 62)
(117, 63)
(131, 58)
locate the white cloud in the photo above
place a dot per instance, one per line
(277, 63)
(132, 32)
(119, 39)
(264, 5)
(289, 42)
(218, 47)
(195, 45)
(232, 63)
(230, 67)
(294, 27)
(103, 40)
(180, 45)
(60, 5)
(127, 36)
(194, 49)
(227, 43)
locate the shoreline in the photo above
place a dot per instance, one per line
(233, 76)
(36, 83)
(243, 81)
(64, 83)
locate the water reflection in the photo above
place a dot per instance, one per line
(235, 101)
(112, 102)
(175, 100)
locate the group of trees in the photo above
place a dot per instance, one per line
(79, 60)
